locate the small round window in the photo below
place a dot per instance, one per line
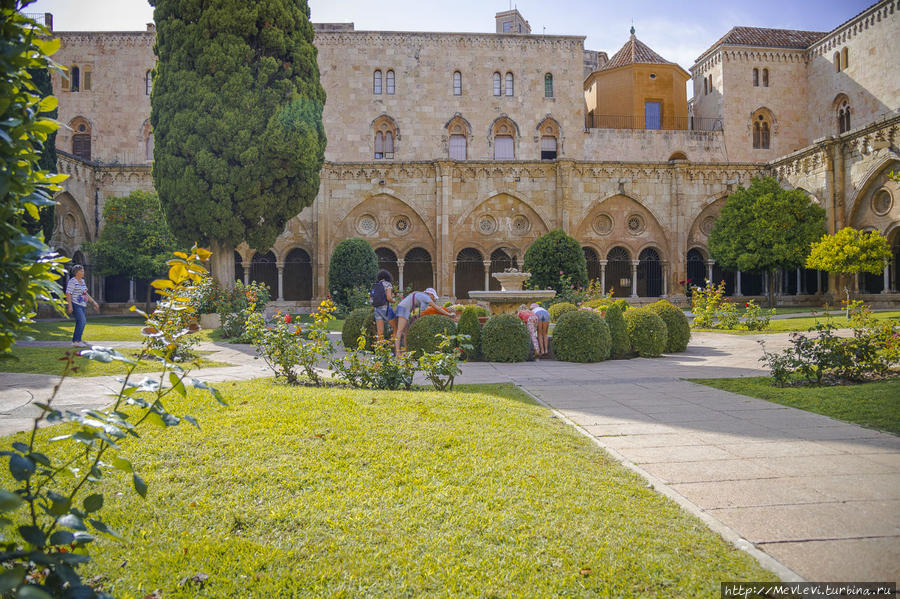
(653, 75)
(882, 202)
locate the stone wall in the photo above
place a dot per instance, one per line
(653, 145)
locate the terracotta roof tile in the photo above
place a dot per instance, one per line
(770, 38)
(634, 52)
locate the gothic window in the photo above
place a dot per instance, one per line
(81, 138)
(549, 132)
(842, 106)
(837, 62)
(459, 131)
(705, 86)
(503, 132)
(385, 136)
(496, 84)
(148, 82)
(762, 129)
(548, 85)
(457, 147)
(74, 79)
(710, 84)
(765, 77)
(755, 77)
(509, 84)
(389, 83)
(86, 79)
(548, 147)
(845, 58)
(457, 83)
(376, 83)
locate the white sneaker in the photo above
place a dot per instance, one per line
(76, 344)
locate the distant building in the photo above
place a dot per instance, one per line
(452, 152)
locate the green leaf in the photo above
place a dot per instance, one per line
(32, 211)
(48, 104)
(62, 537)
(33, 535)
(71, 521)
(9, 501)
(139, 485)
(92, 503)
(21, 467)
(177, 384)
(101, 526)
(48, 47)
(60, 504)
(192, 421)
(9, 579)
(32, 592)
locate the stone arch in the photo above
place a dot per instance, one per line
(385, 137)
(631, 195)
(459, 131)
(377, 218)
(549, 135)
(70, 228)
(859, 213)
(607, 222)
(499, 219)
(698, 234)
(503, 119)
(468, 271)
(298, 274)
(503, 137)
(82, 137)
(458, 119)
(763, 128)
(677, 156)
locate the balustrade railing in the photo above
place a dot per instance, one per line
(676, 123)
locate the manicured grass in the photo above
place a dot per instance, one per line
(874, 405)
(107, 328)
(300, 492)
(48, 360)
(804, 323)
(334, 324)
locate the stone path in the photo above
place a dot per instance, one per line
(809, 496)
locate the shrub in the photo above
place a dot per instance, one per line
(553, 256)
(598, 304)
(620, 343)
(505, 338)
(711, 308)
(478, 310)
(353, 324)
(755, 319)
(469, 325)
(423, 335)
(581, 336)
(678, 329)
(647, 332)
(558, 309)
(353, 264)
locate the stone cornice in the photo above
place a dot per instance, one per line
(110, 38)
(477, 40)
(871, 17)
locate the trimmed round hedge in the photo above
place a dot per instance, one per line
(558, 309)
(356, 320)
(598, 304)
(581, 336)
(422, 336)
(469, 325)
(678, 329)
(353, 264)
(505, 338)
(647, 332)
(620, 342)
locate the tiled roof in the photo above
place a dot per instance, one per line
(634, 52)
(770, 38)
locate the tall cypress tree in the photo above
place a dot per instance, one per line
(237, 121)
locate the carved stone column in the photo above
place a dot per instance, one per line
(603, 276)
(487, 275)
(400, 263)
(887, 277)
(737, 284)
(665, 278)
(709, 270)
(634, 267)
(798, 282)
(130, 291)
(280, 266)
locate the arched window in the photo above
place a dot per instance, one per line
(845, 58)
(457, 83)
(710, 84)
(649, 274)
(469, 272)
(74, 79)
(705, 86)
(618, 271)
(263, 269)
(549, 132)
(762, 129)
(458, 128)
(755, 77)
(386, 134)
(503, 132)
(376, 83)
(389, 83)
(548, 85)
(81, 138)
(86, 79)
(765, 77)
(837, 62)
(842, 109)
(509, 84)
(417, 269)
(297, 277)
(148, 82)
(496, 84)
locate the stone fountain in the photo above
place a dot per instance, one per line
(511, 294)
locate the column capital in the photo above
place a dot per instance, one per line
(635, 262)
(603, 263)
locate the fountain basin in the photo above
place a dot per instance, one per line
(511, 281)
(508, 302)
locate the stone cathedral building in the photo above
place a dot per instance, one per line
(451, 152)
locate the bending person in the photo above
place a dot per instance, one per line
(421, 299)
(543, 327)
(530, 320)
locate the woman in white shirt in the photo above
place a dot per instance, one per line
(76, 303)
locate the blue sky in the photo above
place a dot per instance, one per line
(679, 31)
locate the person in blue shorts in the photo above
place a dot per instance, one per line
(381, 296)
(404, 309)
(543, 327)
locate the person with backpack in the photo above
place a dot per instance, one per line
(381, 296)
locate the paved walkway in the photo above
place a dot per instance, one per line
(821, 497)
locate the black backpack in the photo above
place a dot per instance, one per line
(378, 295)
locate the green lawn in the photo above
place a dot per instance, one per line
(804, 323)
(300, 492)
(107, 328)
(48, 360)
(873, 405)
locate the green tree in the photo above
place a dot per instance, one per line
(554, 256)
(28, 270)
(41, 79)
(764, 228)
(135, 240)
(850, 251)
(353, 264)
(237, 121)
